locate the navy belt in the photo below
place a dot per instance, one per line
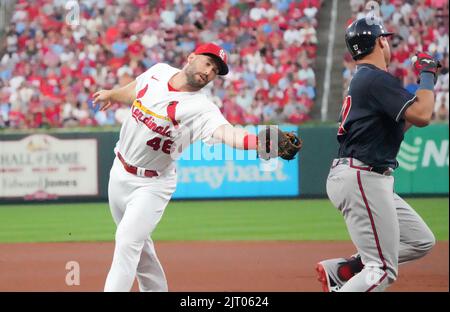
(357, 164)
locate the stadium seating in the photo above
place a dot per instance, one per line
(56, 59)
(420, 25)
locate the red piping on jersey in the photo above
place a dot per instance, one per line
(171, 111)
(142, 91)
(358, 174)
(172, 89)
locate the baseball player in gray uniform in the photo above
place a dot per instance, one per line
(375, 115)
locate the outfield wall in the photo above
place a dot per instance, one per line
(75, 166)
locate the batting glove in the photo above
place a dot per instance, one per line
(425, 63)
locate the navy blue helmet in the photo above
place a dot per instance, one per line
(362, 34)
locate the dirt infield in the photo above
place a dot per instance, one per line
(205, 266)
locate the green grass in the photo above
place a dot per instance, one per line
(205, 220)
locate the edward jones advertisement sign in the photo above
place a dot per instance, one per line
(44, 167)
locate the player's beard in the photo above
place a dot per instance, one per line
(192, 80)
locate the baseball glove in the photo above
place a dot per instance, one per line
(273, 142)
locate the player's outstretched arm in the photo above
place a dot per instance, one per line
(270, 142)
(235, 137)
(126, 94)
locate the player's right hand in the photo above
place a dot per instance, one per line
(424, 62)
(102, 96)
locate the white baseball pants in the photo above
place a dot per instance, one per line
(137, 205)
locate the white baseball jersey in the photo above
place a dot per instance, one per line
(158, 114)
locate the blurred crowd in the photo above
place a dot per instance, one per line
(58, 55)
(419, 25)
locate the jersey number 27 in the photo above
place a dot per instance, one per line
(344, 114)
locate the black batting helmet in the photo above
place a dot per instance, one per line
(362, 35)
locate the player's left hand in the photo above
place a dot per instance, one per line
(273, 142)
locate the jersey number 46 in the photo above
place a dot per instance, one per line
(344, 114)
(155, 143)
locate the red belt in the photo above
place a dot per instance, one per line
(134, 170)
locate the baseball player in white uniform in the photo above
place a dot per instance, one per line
(165, 101)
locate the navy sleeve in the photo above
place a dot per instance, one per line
(390, 96)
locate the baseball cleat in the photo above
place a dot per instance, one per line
(328, 283)
(334, 273)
